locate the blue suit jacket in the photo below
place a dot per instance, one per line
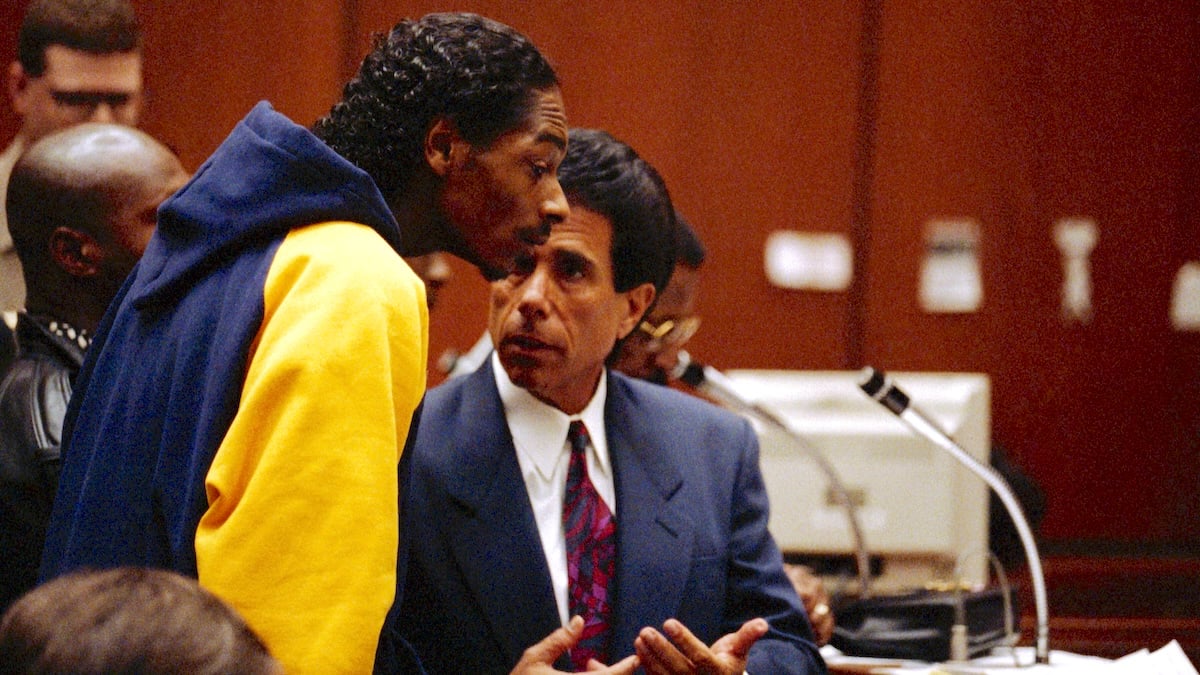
(692, 540)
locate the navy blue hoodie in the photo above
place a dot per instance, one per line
(255, 373)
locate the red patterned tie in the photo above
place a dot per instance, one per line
(591, 552)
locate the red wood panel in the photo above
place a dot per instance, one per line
(1114, 605)
(10, 22)
(207, 64)
(1018, 115)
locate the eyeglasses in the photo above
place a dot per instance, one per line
(669, 333)
(91, 99)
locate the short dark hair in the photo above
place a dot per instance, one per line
(602, 174)
(94, 26)
(127, 620)
(689, 250)
(479, 73)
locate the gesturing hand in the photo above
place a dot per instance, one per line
(539, 659)
(685, 653)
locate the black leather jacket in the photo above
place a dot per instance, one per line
(33, 401)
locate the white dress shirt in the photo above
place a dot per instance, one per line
(539, 433)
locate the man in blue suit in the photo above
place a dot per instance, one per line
(671, 565)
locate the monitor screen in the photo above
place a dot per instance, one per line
(920, 511)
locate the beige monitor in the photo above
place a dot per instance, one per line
(920, 511)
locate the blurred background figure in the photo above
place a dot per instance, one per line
(77, 61)
(82, 206)
(651, 351)
(128, 620)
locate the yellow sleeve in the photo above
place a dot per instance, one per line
(301, 531)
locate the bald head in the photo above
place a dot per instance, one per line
(81, 207)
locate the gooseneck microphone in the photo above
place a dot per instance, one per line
(717, 385)
(881, 388)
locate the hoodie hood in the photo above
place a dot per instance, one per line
(268, 177)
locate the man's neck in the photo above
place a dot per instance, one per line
(416, 211)
(74, 316)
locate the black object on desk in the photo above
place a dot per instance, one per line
(918, 625)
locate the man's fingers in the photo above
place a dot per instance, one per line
(555, 644)
(737, 645)
(625, 666)
(658, 655)
(688, 644)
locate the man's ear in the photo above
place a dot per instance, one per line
(18, 84)
(444, 146)
(76, 252)
(638, 299)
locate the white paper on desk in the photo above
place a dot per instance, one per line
(1169, 660)
(1061, 663)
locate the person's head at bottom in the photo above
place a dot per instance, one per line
(128, 620)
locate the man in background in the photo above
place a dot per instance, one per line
(652, 349)
(81, 207)
(242, 412)
(547, 491)
(77, 61)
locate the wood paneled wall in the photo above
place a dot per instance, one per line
(867, 119)
(1017, 115)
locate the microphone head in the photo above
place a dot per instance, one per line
(693, 375)
(880, 387)
(688, 371)
(871, 381)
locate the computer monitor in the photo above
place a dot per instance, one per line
(921, 513)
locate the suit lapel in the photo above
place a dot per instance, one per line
(496, 542)
(654, 534)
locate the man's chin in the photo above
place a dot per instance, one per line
(491, 274)
(524, 377)
(492, 270)
(457, 245)
(519, 364)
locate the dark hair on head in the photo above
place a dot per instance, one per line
(604, 175)
(689, 250)
(479, 73)
(93, 26)
(128, 620)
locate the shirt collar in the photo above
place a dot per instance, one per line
(539, 430)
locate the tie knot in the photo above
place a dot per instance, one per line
(577, 436)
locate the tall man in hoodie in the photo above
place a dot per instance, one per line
(243, 407)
